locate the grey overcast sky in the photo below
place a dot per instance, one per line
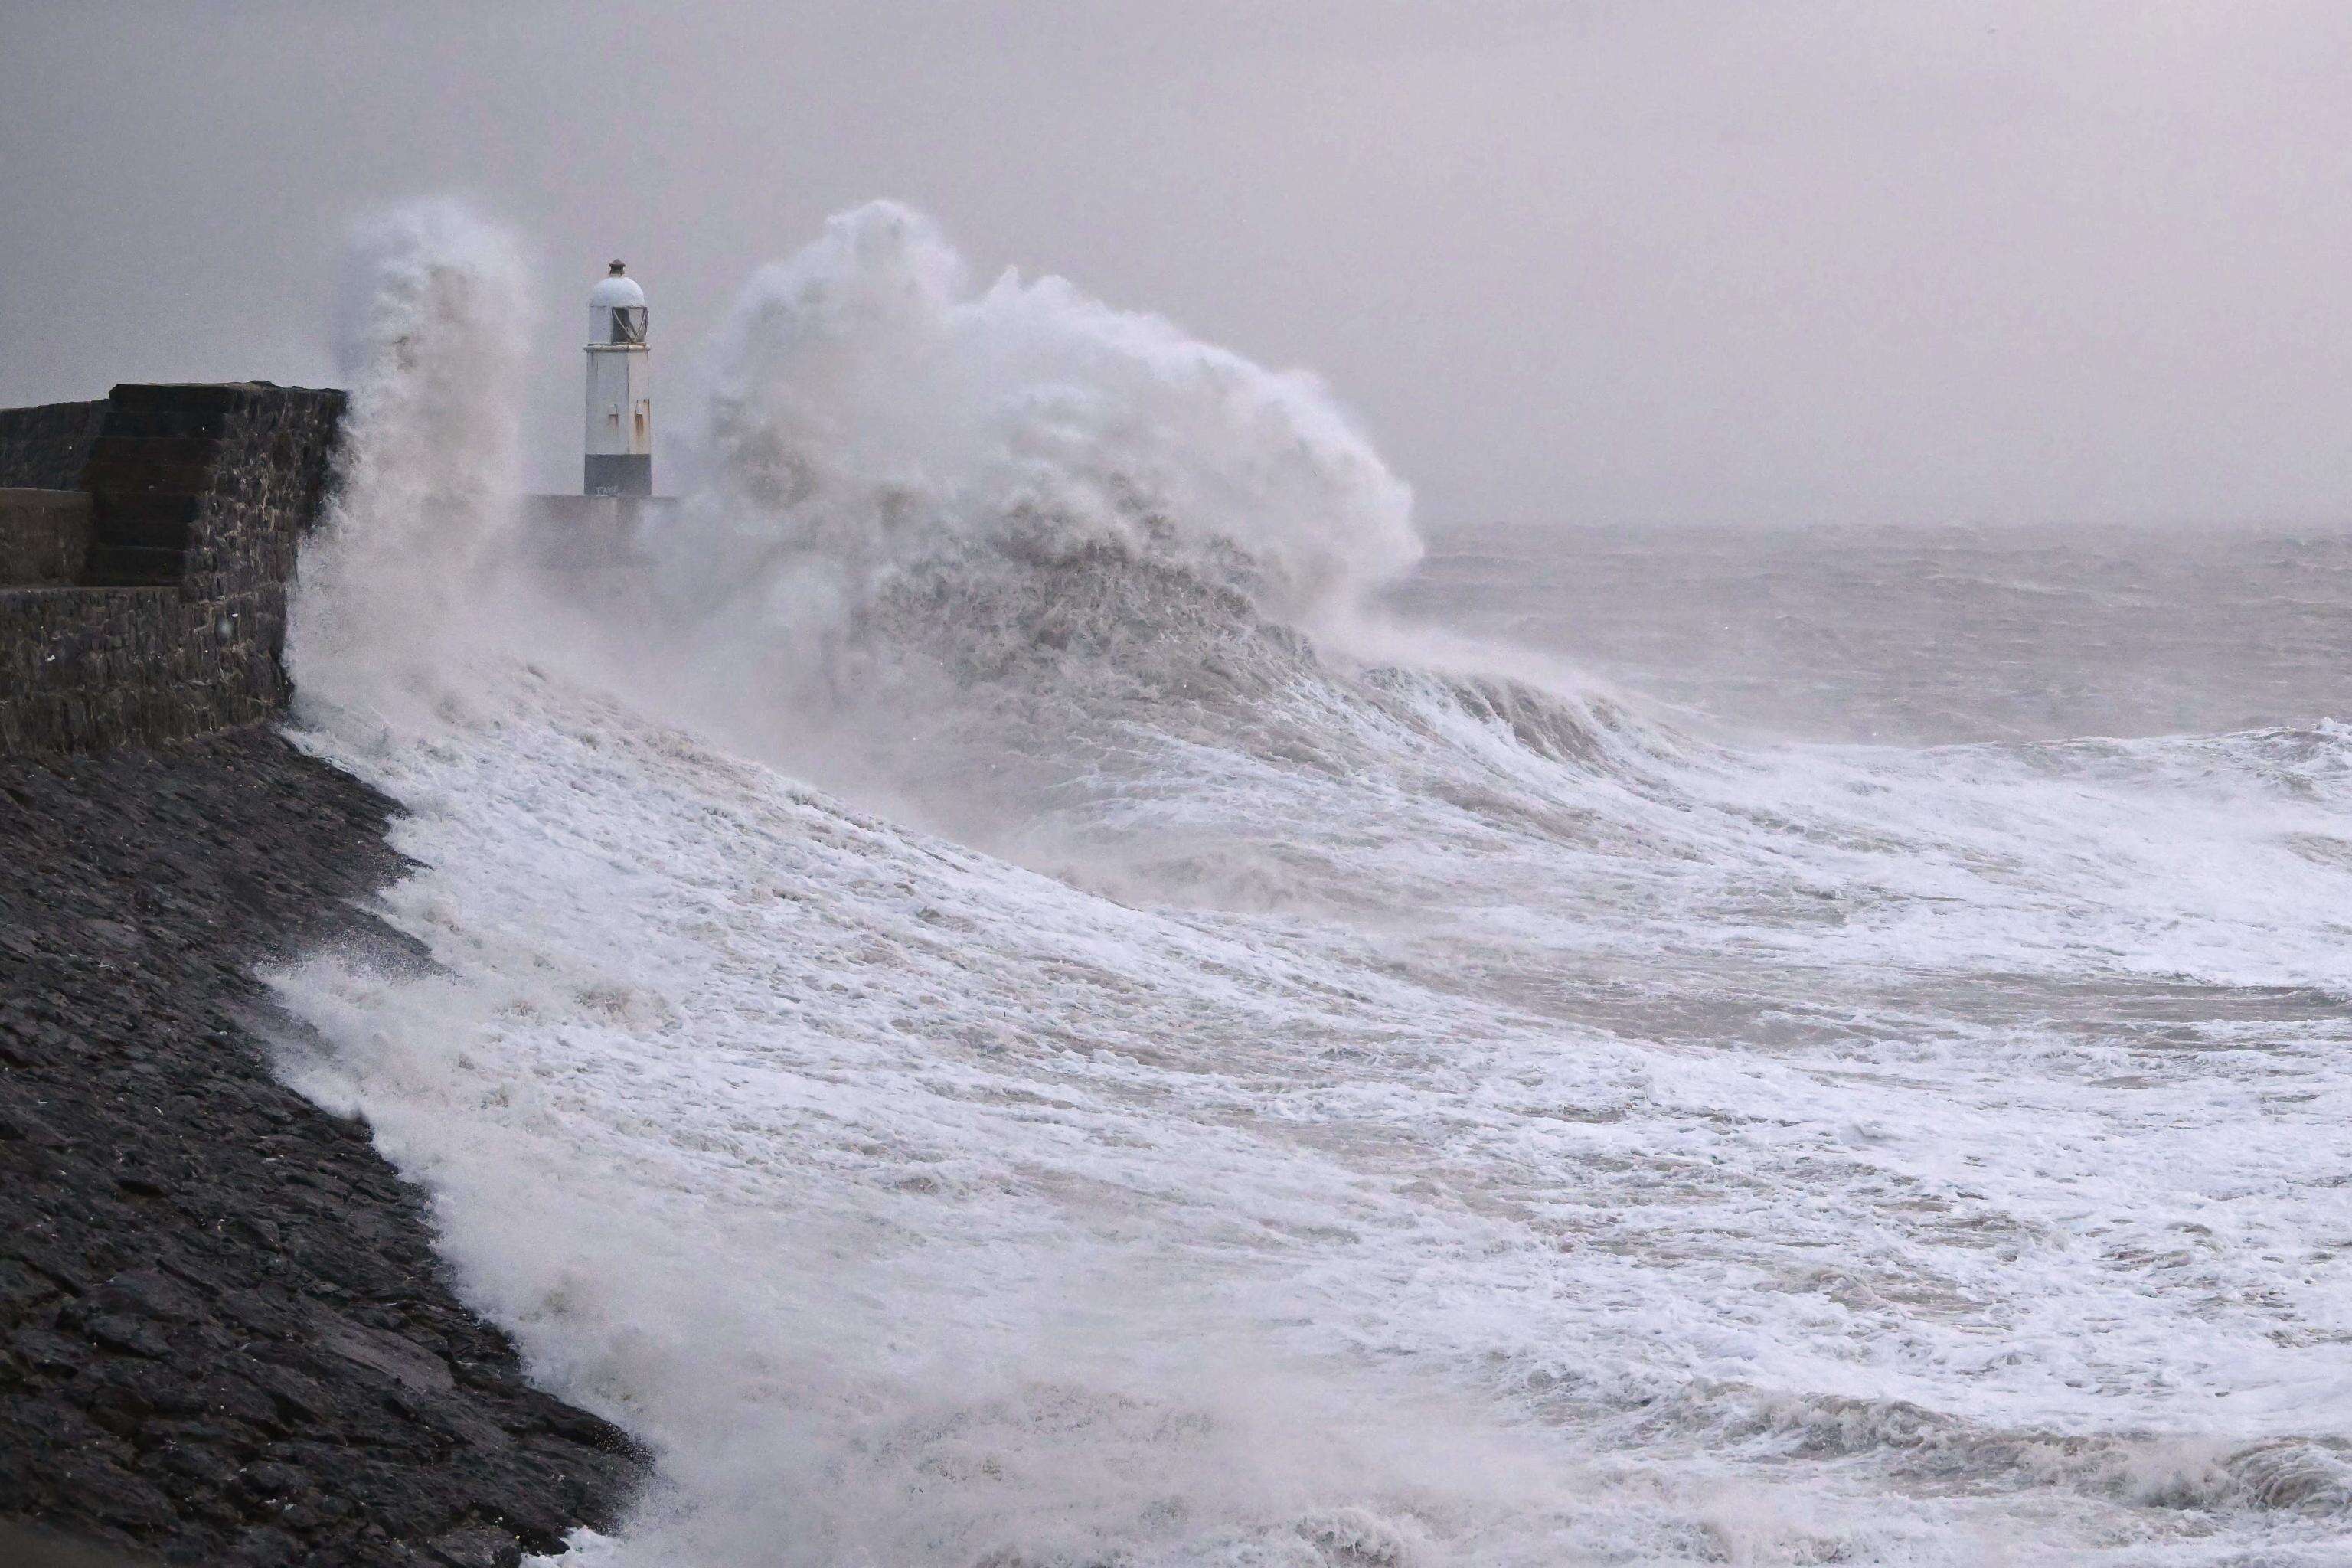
(1636, 260)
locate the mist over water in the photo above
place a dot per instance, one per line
(1925, 635)
(1007, 1013)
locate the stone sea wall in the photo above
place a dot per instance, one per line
(224, 1337)
(44, 448)
(43, 537)
(174, 621)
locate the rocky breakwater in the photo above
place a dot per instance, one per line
(225, 1335)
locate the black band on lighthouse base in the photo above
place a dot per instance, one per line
(626, 474)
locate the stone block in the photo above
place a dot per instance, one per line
(44, 537)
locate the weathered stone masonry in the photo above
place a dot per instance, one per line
(44, 448)
(170, 619)
(224, 1337)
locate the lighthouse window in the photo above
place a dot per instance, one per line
(629, 324)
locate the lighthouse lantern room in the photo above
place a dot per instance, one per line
(620, 450)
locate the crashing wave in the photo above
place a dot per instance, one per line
(1791, 1111)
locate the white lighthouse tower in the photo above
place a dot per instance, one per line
(620, 451)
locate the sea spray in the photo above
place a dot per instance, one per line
(1591, 1148)
(888, 454)
(869, 409)
(431, 331)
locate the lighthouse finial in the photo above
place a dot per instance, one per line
(616, 268)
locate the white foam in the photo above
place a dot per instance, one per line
(1419, 1119)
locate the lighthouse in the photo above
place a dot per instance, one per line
(620, 450)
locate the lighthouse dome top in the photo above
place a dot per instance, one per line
(617, 291)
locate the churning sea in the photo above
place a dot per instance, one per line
(992, 1026)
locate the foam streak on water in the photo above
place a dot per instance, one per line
(1316, 1102)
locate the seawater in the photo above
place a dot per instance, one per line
(1064, 991)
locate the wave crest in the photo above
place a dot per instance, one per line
(870, 411)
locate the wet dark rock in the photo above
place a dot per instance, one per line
(225, 1338)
